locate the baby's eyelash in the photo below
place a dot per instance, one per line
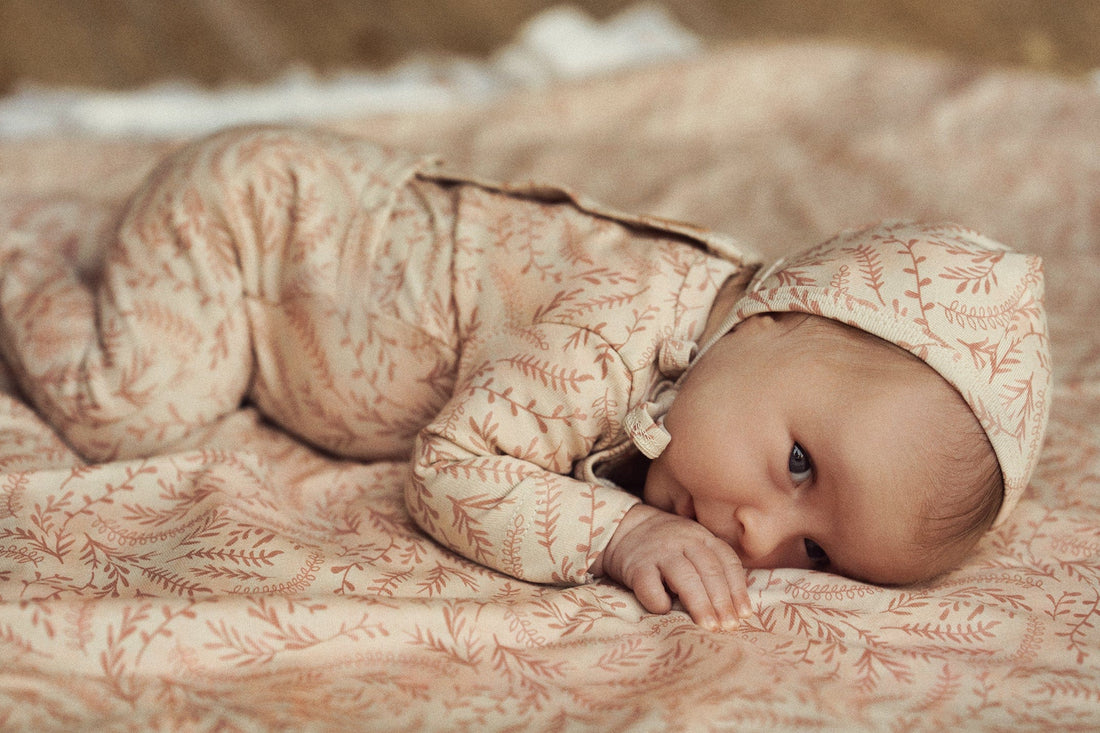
(818, 556)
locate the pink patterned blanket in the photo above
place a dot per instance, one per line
(269, 586)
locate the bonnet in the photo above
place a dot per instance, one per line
(969, 307)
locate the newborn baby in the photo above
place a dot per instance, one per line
(579, 392)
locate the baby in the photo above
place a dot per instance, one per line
(580, 393)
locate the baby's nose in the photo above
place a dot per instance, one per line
(771, 536)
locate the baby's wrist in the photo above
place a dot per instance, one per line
(634, 516)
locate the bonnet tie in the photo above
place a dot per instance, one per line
(645, 423)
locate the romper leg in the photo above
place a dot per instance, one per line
(245, 266)
(153, 346)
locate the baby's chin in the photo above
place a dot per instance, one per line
(656, 499)
(651, 493)
(660, 498)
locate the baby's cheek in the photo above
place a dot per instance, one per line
(655, 492)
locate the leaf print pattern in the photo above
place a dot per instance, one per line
(260, 583)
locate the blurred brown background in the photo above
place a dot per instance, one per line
(126, 43)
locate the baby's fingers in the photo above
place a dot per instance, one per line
(696, 601)
(649, 589)
(739, 590)
(733, 586)
(699, 583)
(723, 599)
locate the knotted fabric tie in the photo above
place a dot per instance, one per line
(645, 423)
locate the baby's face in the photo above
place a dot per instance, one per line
(793, 464)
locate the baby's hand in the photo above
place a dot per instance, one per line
(653, 552)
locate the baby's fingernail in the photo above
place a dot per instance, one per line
(708, 623)
(730, 624)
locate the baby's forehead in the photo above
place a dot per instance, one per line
(841, 333)
(845, 347)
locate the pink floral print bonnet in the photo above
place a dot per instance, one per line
(968, 306)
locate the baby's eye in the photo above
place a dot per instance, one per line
(799, 464)
(817, 556)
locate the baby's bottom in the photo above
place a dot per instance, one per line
(233, 273)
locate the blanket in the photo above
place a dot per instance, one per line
(254, 583)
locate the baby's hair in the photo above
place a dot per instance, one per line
(967, 487)
(963, 515)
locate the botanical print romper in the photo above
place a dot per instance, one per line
(379, 309)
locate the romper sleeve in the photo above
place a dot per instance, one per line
(490, 473)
